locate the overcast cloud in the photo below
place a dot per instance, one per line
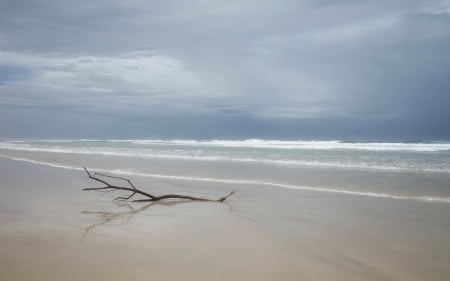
(225, 69)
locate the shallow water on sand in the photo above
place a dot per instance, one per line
(419, 185)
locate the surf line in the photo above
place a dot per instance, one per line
(243, 182)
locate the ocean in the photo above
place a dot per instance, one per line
(398, 170)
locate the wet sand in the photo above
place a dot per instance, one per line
(51, 230)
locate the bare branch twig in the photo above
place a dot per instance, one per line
(134, 191)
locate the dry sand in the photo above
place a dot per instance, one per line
(51, 230)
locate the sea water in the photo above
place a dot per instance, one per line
(397, 170)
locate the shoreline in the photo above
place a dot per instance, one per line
(40, 159)
(263, 234)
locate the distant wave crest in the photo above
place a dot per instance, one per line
(259, 143)
(310, 145)
(270, 152)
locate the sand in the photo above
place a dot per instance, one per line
(51, 230)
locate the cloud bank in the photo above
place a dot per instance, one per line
(234, 69)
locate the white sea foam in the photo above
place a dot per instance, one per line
(244, 182)
(32, 161)
(311, 145)
(274, 144)
(191, 153)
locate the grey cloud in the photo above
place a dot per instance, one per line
(293, 68)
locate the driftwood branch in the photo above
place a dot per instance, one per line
(134, 191)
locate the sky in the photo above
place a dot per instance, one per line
(272, 69)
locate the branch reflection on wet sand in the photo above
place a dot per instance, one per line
(126, 215)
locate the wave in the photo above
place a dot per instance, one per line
(140, 154)
(176, 155)
(123, 172)
(309, 145)
(270, 144)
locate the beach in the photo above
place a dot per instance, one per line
(276, 140)
(52, 230)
